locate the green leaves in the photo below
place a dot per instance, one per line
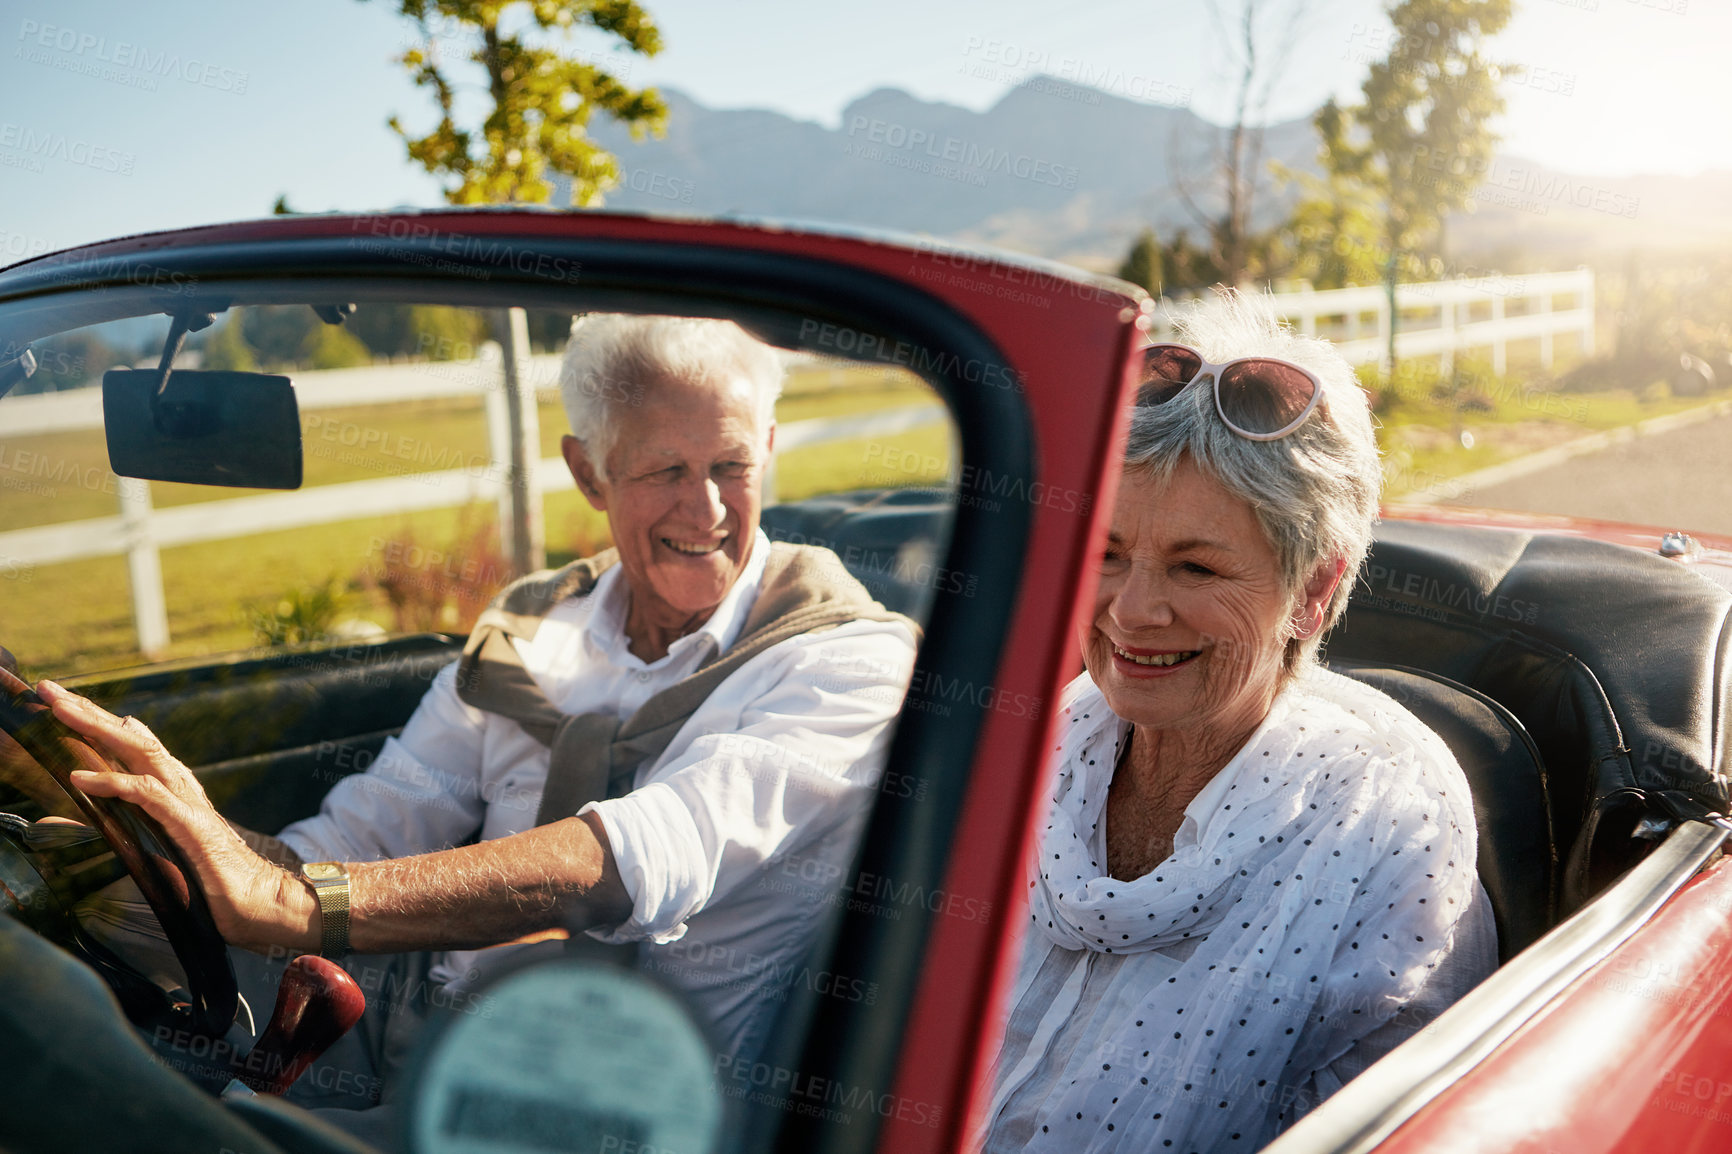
(1414, 151)
(541, 95)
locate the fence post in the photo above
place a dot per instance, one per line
(143, 568)
(522, 528)
(1586, 299)
(1446, 323)
(1383, 339)
(1544, 305)
(1499, 348)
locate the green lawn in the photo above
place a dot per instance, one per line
(1423, 449)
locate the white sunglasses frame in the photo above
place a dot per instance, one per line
(1206, 366)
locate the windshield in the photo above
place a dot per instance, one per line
(285, 644)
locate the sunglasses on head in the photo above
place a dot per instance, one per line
(1260, 398)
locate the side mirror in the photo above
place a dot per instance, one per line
(206, 428)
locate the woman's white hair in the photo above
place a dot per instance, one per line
(613, 359)
(1314, 491)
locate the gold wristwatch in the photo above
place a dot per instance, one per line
(330, 882)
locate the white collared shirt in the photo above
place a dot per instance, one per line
(733, 843)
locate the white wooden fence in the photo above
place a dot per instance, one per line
(1447, 323)
(140, 531)
(1441, 318)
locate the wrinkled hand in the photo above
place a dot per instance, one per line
(255, 904)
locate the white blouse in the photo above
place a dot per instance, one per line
(1282, 947)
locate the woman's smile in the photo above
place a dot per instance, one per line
(1152, 662)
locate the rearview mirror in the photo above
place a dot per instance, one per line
(242, 430)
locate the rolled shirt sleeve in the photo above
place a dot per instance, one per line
(423, 792)
(786, 751)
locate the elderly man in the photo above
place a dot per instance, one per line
(634, 746)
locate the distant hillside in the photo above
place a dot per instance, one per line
(1052, 168)
(1071, 173)
(1543, 216)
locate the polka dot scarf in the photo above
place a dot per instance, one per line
(1323, 889)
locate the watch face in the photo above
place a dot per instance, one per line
(323, 871)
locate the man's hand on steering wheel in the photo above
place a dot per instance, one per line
(255, 904)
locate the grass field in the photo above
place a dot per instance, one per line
(76, 617)
(1421, 422)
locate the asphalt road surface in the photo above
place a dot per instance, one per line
(1676, 480)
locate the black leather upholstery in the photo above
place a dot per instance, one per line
(1615, 661)
(1518, 862)
(892, 540)
(269, 736)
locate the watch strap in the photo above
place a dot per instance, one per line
(330, 882)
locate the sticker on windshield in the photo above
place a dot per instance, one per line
(572, 1057)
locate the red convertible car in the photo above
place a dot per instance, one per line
(951, 431)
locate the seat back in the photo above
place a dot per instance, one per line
(1616, 662)
(1518, 862)
(892, 540)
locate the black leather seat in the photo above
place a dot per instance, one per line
(1615, 662)
(892, 540)
(1518, 862)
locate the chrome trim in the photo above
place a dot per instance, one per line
(1372, 1106)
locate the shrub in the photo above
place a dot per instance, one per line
(433, 587)
(300, 615)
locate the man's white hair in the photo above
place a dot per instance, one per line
(1314, 491)
(615, 359)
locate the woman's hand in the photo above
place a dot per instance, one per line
(255, 904)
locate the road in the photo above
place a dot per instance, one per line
(1680, 479)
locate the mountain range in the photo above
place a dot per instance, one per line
(1065, 171)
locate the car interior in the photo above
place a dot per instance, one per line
(1562, 722)
(1575, 681)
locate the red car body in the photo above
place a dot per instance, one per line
(1601, 1060)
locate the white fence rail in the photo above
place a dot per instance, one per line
(1442, 318)
(1445, 325)
(140, 531)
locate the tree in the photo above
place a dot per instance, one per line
(227, 348)
(1260, 38)
(332, 347)
(277, 333)
(428, 332)
(1419, 144)
(1334, 237)
(1142, 265)
(1176, 267)
(540, 97)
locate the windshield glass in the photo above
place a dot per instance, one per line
(301, 650)
(397, 526)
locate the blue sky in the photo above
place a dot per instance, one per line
(180, 113)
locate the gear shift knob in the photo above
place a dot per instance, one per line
(317, 1002)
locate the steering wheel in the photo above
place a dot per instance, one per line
(155, 864)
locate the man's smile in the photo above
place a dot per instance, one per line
(693, 548)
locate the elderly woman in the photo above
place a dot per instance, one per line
(1255, 876)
